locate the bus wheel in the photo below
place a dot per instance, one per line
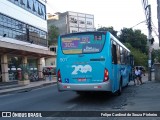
(119, 92)
(128, 81)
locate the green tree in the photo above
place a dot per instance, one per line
(140, 58)
(156, 56)
(52, 35)
(110, 29)
(135, 37)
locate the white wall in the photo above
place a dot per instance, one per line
(22, 15)
(87, 18)
(50, 62)
(73, 29)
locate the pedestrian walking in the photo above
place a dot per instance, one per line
(137, 75)
(50, 74)
(140, 75)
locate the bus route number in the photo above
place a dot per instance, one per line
(63, 59)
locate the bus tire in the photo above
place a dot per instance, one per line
(129, 79)
(119, 92)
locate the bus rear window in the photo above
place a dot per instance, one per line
(80, 44)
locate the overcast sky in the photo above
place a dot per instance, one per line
(116, 13)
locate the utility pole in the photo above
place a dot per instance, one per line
(149, 42)
(147, 9)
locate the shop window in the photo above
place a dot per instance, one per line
(28, 6)
(33, 8)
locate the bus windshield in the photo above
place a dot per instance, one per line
(81, 44)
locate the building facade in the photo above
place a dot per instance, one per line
(52, 60)
(70, 22)
(23, 37)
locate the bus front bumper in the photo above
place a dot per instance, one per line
(105, 86)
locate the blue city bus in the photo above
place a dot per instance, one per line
(92, 61)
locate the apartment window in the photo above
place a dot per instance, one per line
(82, 22)
(74, 31)
(89, 23)
(28, 5)
(73, 20)
(22, 2)
(21, 31)
(33, 6)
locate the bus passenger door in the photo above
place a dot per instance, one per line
(114, 67)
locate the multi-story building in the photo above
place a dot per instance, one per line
(70, 22)
(52, 60)
(23, 36)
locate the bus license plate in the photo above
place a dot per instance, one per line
(81, 79)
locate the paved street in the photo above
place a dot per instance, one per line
(145, 97)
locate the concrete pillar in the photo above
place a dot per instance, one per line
(157, 71)
(4, 67)
(40, 68)
(24, 60)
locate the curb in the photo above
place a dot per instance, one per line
(21, 90)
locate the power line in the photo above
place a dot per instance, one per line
(154, 25)
(138, 23)
(155, 30)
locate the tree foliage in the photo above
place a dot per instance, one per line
(110, 29)
(139, 57)
(156, 56)
(52, 35)
(135, 37)
(135, 40)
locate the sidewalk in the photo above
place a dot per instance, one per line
(12, 87)
(144, 97)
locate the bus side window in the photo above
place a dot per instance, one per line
(114, 53)
(122, 55)
(118, 55)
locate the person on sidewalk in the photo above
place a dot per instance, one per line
(50, 74)
(140, 75)
(137, 75)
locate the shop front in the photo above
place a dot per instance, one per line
(13, 56)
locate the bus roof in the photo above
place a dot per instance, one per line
(88, 32)
(120, 43)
